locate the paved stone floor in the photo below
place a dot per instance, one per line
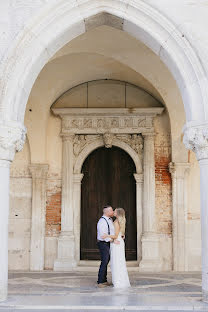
(77, 291)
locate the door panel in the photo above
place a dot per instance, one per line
(108, 179)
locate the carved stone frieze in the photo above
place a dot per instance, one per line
(101, 124)
(196, 139)
(12, 139)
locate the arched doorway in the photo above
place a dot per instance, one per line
(108, 178)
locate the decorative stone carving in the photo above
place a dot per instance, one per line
(134, 140)
(12, 138)
(80, 142)
(108, 139)
(196, 139)
(102, 120)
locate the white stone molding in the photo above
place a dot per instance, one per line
(150, 239)
(179, 173)
(12, 139)
(94, 144)
(66, 241)
(139, 213)
(196, 139)
(39, 176)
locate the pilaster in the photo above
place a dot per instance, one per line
(39, 176)
(151, 260)
(179, 173)
(66, 241)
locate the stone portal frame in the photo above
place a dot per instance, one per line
(77, 178)
(83, 131)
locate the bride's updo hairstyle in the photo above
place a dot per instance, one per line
(121, 219)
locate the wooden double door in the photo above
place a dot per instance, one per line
(108, 179)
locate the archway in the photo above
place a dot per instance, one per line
(108, 177)
(181, 60)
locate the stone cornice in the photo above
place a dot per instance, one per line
(12, 139)
(111, 120)
(196, 139)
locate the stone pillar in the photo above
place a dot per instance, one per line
(12, 138)
(77, 208)
(39, 176)
(66, 241)
(4, 217)
(139, 196)
(150, 239)
(196, 139)
(179, 197)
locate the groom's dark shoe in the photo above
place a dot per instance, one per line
(108, 284)
(102, 285)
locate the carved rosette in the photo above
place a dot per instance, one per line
(196, 139)
(12, 139)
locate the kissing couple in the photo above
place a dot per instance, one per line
(110, 241)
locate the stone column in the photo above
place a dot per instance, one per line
(39, 176)
(66, 241)
(4, 217)
(139, 196)
(12, 138)
(77, 208)
(196, 139)
(150, 239)
(179, 197)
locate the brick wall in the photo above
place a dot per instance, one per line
(163, 191)
(53, 208)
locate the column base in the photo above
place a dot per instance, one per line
(204, 295)
(3, 293)
(151, 261)
(66, 253)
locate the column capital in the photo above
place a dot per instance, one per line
(68, 137)
(12, 139)
(178, 169)
(148, 134)
(139, 177)
(39, 171)
(196, 139)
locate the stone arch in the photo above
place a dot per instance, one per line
(99, 143)
(34, 47)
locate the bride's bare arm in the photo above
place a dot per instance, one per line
(117, 229)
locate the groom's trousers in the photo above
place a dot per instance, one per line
(104, 248)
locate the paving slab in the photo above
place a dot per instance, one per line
(77, 291)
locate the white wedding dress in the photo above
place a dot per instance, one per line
(120, 278)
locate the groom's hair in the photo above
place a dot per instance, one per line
(105, 207)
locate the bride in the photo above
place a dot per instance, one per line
(119, 272)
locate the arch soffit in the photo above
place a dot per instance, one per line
(99, 143)
(32, 49)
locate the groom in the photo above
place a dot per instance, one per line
(105, 225)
